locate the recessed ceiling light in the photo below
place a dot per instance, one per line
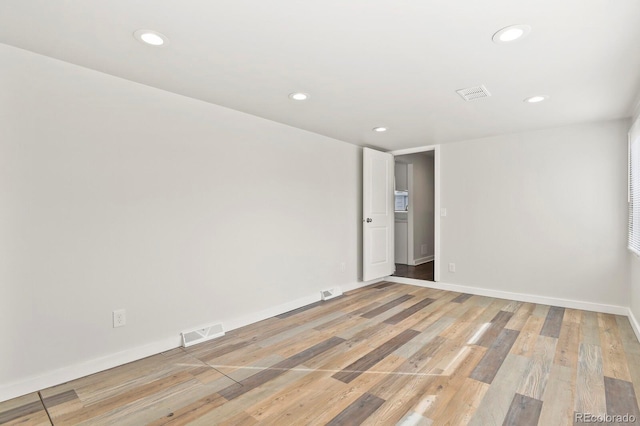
(511, 33)
(379, 129)
(536, 99)
(299, 96)
(153, 38)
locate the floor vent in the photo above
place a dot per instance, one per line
(200, 335)
(330, 293)
(473, 93)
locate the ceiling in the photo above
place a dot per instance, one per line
(365, 63)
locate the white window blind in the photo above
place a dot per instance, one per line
(634, 188)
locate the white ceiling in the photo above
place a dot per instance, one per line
(365, 63)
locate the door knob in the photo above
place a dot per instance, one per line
(369, 220)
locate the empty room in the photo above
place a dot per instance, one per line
(308, 213)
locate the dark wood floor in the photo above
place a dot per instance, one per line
(386, 354)
(420, 272)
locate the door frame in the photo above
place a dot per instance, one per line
(437, 212)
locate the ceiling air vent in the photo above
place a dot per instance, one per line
(473, 93)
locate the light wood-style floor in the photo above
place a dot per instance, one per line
(386, 354)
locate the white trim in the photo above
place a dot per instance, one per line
(423, 260)
(360, 284)
(410, 217)
(65, 374)
(273, 311)
(436, 196)
(436, 215)
(414, 150)
(634, 323)
(76, 371)
(629, 166)
(521, 297)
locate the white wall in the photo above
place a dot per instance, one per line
(542, 213)
(400, 171)
(117, 195)
(401, 226)
(423, 219)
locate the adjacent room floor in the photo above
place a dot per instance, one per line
(386, 354)
(420, 272)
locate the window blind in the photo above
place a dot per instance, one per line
(634, 188)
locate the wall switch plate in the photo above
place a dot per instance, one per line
(452, 267)
(443, 212)
(343, 267)
(119, 318)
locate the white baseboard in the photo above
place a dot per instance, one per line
(76, 371)
(273, 311)
(423, 260)
(634, 323)
(521, 297)
(360, 284)
(65, 374)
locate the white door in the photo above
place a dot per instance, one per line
(378, 214)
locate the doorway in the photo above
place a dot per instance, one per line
(414, 215)
(378, 220)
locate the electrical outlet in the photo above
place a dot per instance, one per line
(452, 267)
(443, 212)
(343, 267)
(423, 249)
(119, 318)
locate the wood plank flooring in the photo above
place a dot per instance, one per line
(388, 354)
